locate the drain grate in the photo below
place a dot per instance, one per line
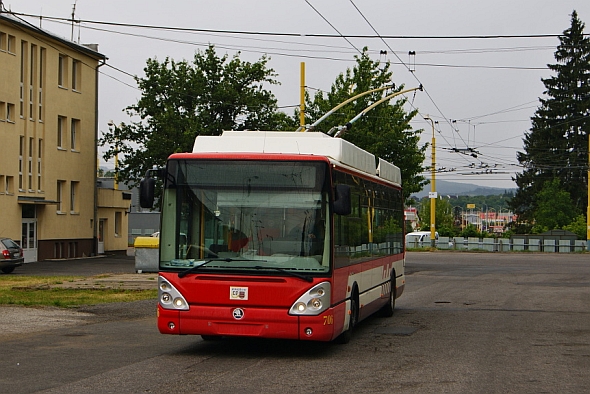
(401, 330)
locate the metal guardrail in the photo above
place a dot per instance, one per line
(503, 245)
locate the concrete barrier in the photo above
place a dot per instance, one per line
(565, 246)
(534, 245)
(504, 244)
(489, 244)
(549, 245)
(444, 243)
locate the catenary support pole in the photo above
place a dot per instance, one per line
(432, 194)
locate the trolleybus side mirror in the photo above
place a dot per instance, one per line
(147, 187)
(342, 201)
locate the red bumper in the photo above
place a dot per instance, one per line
(255, 322)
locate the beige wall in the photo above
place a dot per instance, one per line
(110, 205)
(9, 66)
(72, 165)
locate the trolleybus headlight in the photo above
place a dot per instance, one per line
(179, 303)
(312, 302)
(165, 298)
(316, 303)
(169, 297)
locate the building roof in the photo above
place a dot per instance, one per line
(39, 32)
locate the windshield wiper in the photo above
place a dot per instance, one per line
(285, 271)
(196, 267)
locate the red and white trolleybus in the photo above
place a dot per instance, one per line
(293, 235)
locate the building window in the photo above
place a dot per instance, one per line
(32, 81)
(118, 220)
(9, 186)
(30, 164)
(23, 66)
(11, 44)
(61, 129)
(2, 184)
(2, 42)
(75, 126)
(39, 157)
(60, 195)
(76, 74)
(74, 187)
(20, 164)
(22, 100)
(2, 111)
(62, 69)
(10, 112)
(41, 80)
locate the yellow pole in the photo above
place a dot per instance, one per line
(588, 209)
(433, 189)
(302, 98)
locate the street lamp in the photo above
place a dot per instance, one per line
(432, 195)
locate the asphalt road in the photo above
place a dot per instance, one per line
(467, 323)
(112, 263)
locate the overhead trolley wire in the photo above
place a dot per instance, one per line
(286, 34)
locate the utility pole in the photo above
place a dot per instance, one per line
(432, 195)
(73, 14)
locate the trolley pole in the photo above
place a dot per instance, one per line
(432, 195)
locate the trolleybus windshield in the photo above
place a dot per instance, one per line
(242, 216)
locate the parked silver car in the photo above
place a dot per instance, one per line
(11, 255)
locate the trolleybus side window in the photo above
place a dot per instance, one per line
(375, 226)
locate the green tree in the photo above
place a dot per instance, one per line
(181, 100)
(577, 226)
(444, 217)
(554, 208)
(385, 131)
(470, 231)
(557, 144)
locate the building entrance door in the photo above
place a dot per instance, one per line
(29, 239)
(101, 228)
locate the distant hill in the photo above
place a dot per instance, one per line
(445, 188)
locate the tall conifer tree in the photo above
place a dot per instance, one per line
(557, 144)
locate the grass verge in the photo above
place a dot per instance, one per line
(40, 291)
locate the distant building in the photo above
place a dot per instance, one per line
(411, 215)
(48, 129)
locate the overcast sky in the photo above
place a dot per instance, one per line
(488, 86)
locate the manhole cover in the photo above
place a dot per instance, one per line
(396, 330)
